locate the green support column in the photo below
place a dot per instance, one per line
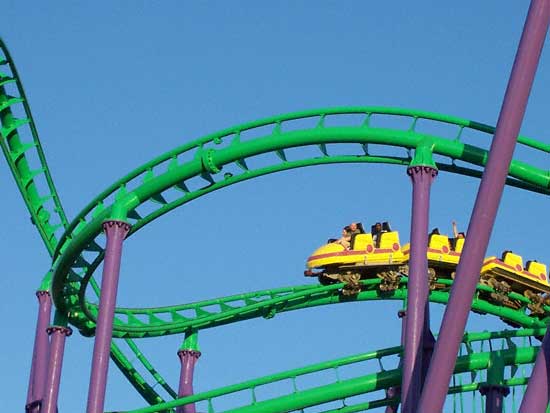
(494, 389)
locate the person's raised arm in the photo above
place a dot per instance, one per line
(455, 230)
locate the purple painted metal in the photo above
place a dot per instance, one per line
(188, 359)
(39, 366)
(494, 394)
(428, 343)
(116, 231)
(396, 391)
(537, 395)
(58, 333)
(484, 212)
(418, 288)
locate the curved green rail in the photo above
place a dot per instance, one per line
(220, 160)
(161, 321)
(162, 183)
(23, 152)
(503, 352)
(141, 323)
(16, 121)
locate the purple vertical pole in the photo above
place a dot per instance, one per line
(396, 391)
(188, 359)
(494, 396)
(58, 333)
(428, 342)
(485, 208)
(418, 288)
(537, 395)
(39, 366)
(116, 231)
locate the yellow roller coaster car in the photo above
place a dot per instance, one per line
(388, 260)
(362, 260)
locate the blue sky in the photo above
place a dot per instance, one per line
(113, 85)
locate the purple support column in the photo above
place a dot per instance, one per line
(188, 359)
(486, 205)
(428, 343)
(494, 395)
(396, 391)
(39, 366)
(58, 333)
(418, 288)
(537, 395)
(116, 231)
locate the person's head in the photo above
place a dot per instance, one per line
(346, 230)
(353, 226)
(378, 227)
(461, 235)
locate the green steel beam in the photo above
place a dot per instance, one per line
(71, 273)
(47, 218)
(43, 203)
(341, 389)
(69, 266)
(161, 321)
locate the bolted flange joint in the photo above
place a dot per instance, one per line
(111, 223)
(187, 352)
(207, 160)
(413, 171)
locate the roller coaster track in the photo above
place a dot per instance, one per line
(225, 158)
(300, 396)
(152, 322)
(47, 218)
(42, 201)
(164, 183)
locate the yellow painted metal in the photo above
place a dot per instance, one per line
(441, 255)
(511, 270)
(364, 252)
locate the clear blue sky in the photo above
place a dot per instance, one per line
(113, 85)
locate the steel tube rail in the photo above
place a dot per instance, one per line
(341, 389)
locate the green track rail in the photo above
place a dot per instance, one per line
(163, 321)
(16, 122)
(165, 178)
(20, 143)
(475, 362)
(228, 157)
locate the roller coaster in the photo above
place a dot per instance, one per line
(387, 259)
(489, 371)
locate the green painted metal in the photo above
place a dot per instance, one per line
(161, 321)
(208, 162)
(191, 341)
(48, 218)
(423, 156)
(341, 389)
(43, 202)
(220, 160)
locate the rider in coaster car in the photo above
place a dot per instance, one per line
(345, 240)
(376, 230)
